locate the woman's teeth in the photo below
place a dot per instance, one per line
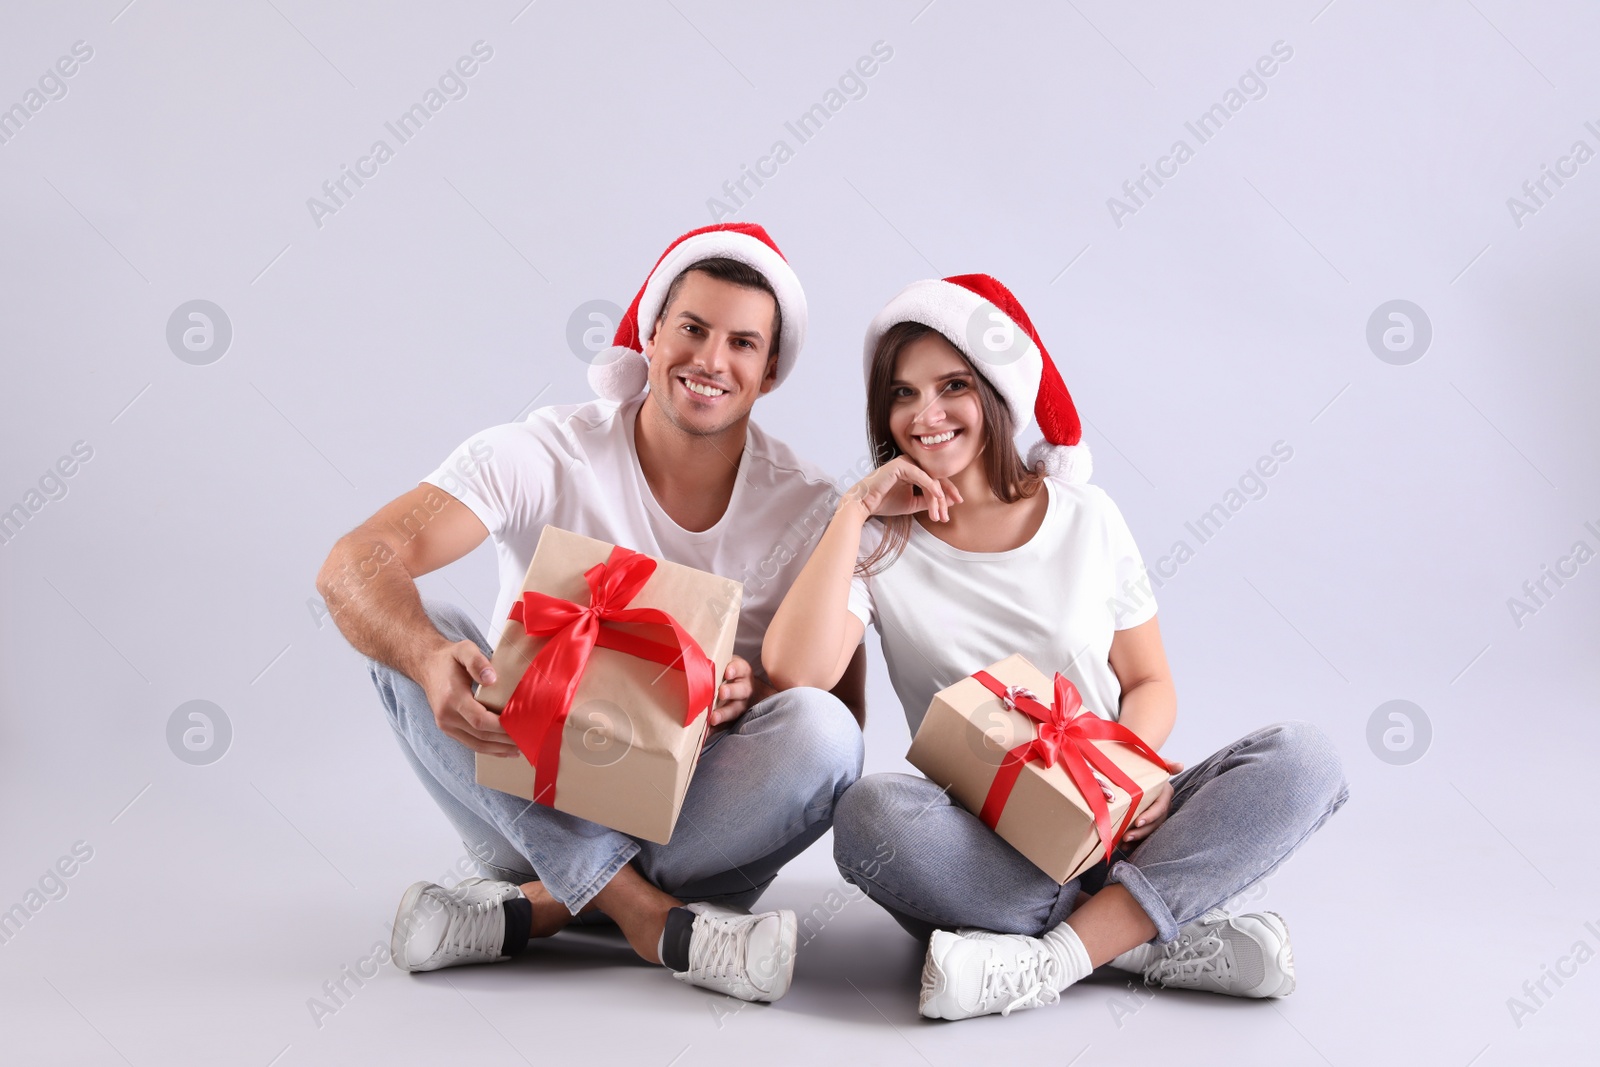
(936, 439)
(703, 390)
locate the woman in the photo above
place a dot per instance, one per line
(961, 554)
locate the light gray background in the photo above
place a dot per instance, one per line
(1227, 314)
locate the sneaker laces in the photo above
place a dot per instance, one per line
(470, 929)
(718, 949)
(1185, 964)
(1030, 983)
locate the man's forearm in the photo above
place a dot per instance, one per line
(374, 601)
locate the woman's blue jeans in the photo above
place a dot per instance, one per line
(1234, 817)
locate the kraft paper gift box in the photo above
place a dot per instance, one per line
(629, 744)
(962, 745)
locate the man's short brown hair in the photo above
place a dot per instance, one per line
(735, 273)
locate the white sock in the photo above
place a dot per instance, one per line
(1136, 959)
(1070, 954)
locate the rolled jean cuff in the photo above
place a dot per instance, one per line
(574, 898)
(1066, 903)
(496, 873)
(1145, 895)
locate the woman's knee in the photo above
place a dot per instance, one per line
(871, 819)
(1307, 757)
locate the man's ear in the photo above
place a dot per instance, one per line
(769, 381)
(650, 343)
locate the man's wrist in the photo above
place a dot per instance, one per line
(422, 653)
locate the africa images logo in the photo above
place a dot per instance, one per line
(452, 85)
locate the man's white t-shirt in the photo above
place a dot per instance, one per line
(943, 613)
(576, 467)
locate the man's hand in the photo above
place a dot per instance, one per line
(446, 678)
(1156, 813)
(739, 689)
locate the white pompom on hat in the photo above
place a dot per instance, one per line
(620, 372)
(987, 324)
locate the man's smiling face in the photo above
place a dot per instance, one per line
(710, 354)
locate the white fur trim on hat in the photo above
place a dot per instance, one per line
(1070, 463)
(747, 250)
(618, 373)
(965, 319)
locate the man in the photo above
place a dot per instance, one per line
(679, 472)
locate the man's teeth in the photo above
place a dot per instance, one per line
(703, 390)
(938, 438)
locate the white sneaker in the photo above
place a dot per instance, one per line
(436, 927)
(1239, 955)
(746, 956)
(975, 972)
(475, 890)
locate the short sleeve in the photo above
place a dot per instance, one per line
(860, 603)
(1133, 600)
(861, 599)
(495, 477)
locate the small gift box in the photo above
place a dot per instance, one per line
(603, 677)
(1060, 784)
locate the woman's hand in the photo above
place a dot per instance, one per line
(900, 487)
(1156, 813)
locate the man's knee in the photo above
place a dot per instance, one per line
(453, 622)
(449, 619)
(822, 731)
(390, 684)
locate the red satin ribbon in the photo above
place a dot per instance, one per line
(1065, 734)
(542, 700)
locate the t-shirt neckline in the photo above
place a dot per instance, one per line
(630, 415)
(928, 540)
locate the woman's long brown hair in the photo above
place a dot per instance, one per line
(1010, 478)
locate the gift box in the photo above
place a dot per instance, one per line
(1060, 784)
(604, 674)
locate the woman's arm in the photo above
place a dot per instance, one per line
(814, 634)
(1149, 701)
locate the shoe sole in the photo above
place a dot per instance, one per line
(408, 905)
(789, 934)
(932, 984)
(1285, 959)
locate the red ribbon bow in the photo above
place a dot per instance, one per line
(1064, 733)
(542, 700)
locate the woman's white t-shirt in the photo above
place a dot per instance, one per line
(576, 467)
(943, 613)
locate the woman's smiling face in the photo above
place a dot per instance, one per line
(935, 415)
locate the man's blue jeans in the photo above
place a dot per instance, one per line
(1234, 817)
(763, 791)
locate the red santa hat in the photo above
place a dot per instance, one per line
(620, 372)
(987, 324)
